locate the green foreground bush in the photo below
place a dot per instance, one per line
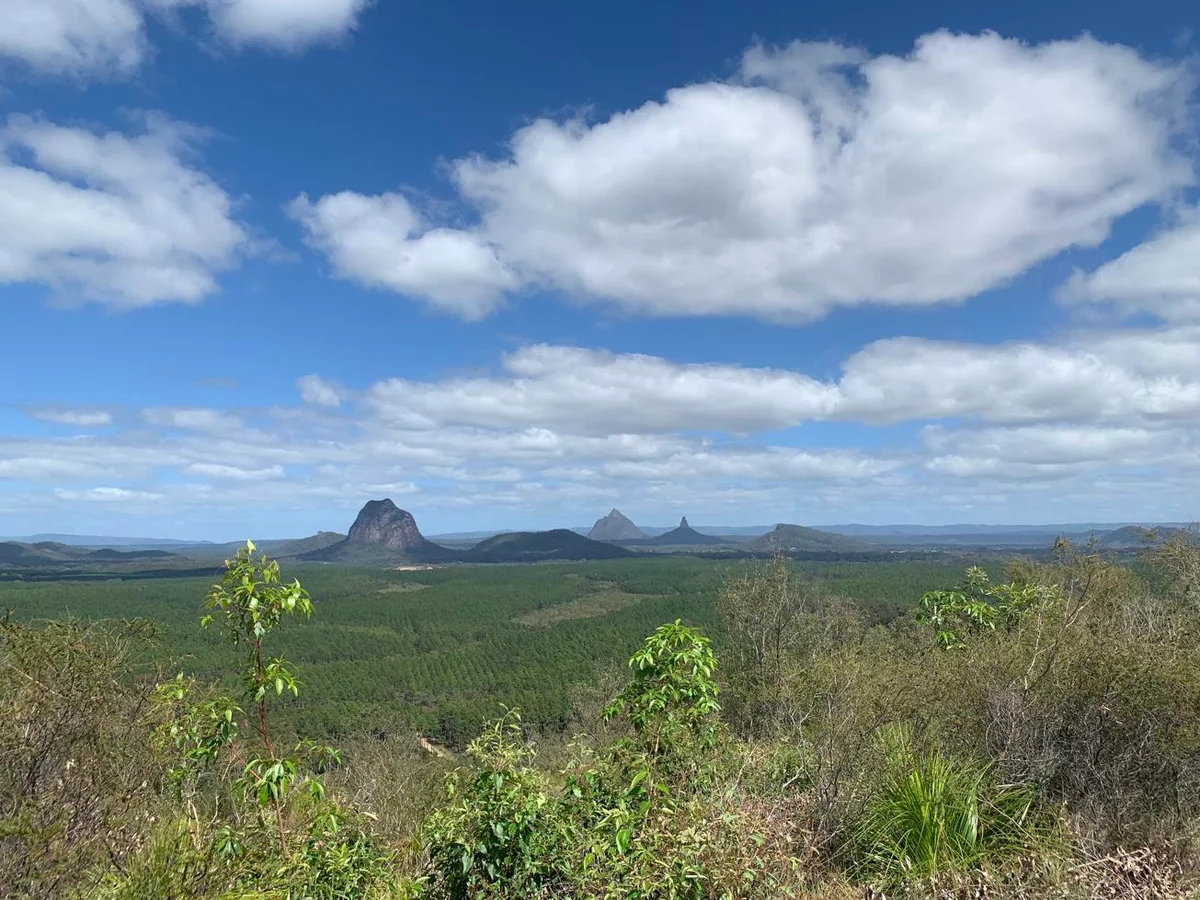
(1035, 737)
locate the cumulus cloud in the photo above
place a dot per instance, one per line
(1113, 376)
(108, 37)
(74, 36)
(124, 219)
(314, 389)
(595, 392)
(574, 429)
(1056, 451)
(1160, 276)
(283, 24)
(383, 242)
(819, 177)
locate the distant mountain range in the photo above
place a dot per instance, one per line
(97, 541)
(1134, 536)
(921, 530)
(55, 553)
(383, 534)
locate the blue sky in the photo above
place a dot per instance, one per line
(263, 260)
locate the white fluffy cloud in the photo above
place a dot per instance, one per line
(819, 177)
(1109, 376)
(108, 37)
(314, 389)
(1057, 451)
(594, 392)
(1160, 276)
(73, 36)
(383, 242)
(284, 24)
(1117, 376)
(1108, 418)
(125, 219)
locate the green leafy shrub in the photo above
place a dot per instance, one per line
(979, 605)
(252, 818)
(648, 816)
(495, 838)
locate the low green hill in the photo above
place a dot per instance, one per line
(790, 538)
(532, 546)
(318, 541)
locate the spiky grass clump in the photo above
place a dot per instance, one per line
(934, 814)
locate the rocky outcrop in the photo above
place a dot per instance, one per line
(615, 527)
(382, 534)
(383, 524)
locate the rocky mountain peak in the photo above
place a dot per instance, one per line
(683, 523)
(615, 527)
(381, 523)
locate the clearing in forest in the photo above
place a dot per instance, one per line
(590, 606)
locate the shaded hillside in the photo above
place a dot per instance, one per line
(13, 553)
(798, 538)
(97, 541)
(1134, 537)
(52, 553)
(107, 553)
(533, 546)
(382, 535)
(683, 536)
(300, 546)
(615, 527)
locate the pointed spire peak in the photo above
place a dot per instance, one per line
(683, 523)
(615, 512)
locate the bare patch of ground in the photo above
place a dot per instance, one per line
(402, 587)
(589, 607)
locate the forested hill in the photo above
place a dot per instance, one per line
(50, 553)
(793, 538)
(532, 546)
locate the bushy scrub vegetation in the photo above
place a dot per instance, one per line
(1027, 733)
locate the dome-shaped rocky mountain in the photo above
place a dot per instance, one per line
(382, 534)
(615, 527)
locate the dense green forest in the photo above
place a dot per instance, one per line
(440, 649)
(781, 729)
